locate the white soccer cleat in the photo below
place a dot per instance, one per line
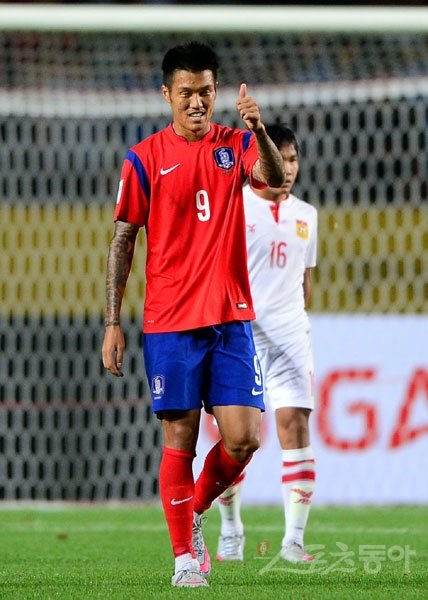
(295, 553)
(230, 547)
(201, 551)
(189, 576)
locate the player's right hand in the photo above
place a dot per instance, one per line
(248, 109)
(113, 349)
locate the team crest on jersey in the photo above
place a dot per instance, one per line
(302, 229)
(158, 386)
(224, 157)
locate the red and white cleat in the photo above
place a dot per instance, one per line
(189, 576)
(201, 551)
(295, 553)
(230, 547)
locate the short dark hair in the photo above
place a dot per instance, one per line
(193, 56)
(282, 135)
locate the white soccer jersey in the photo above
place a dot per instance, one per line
(281, 243)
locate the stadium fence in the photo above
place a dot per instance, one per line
(75, 93)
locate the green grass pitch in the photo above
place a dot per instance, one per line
(124, 553)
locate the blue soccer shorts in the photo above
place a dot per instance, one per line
(210, 366)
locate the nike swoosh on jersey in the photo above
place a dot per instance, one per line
(166, 171)
(256, 392)
(174, 501)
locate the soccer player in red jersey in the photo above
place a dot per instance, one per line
(184, 185)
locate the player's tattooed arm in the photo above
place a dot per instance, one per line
(119, 263)
(270, 166)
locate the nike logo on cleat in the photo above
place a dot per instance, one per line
(174, 502)
(166, 171)
(256, 392)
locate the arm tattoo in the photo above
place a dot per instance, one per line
(270, 166)
(119, 263)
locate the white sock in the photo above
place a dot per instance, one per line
(183, 561)
(298, 483)
(229, 503)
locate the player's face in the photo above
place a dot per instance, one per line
(291, 165)
(191, 97)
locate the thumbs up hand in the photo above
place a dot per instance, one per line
(248, 109)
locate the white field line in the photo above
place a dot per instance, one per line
(42, 527)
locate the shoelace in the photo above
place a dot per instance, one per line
(291, 544)
(198, 545)
(231, 544)
(188, 574)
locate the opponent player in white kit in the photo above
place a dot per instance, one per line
(281, 243)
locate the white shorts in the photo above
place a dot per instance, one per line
(288, 373)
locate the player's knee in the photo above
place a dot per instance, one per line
(181, 434)
(251, 444)
(294, 430)
(296, 427)
(242, 447)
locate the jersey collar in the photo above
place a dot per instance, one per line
(179, 139)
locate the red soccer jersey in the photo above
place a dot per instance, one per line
(188, 195)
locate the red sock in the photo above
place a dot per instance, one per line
(176, 486)
(219, 472)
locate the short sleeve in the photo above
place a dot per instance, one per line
(132, 204)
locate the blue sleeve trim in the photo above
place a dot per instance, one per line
(140, 170)
(246, 140)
